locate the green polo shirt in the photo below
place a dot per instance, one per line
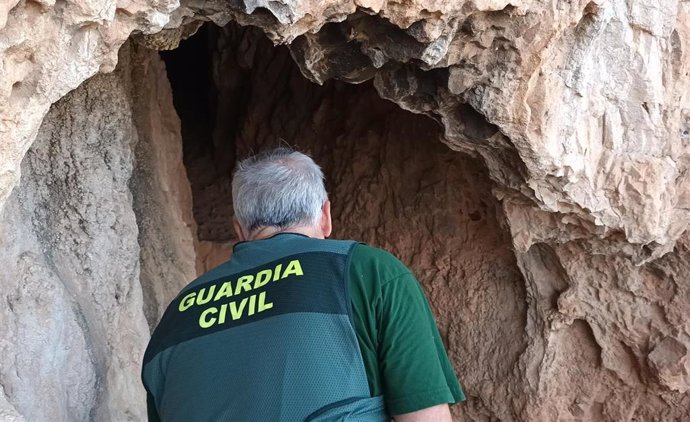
(402, 350)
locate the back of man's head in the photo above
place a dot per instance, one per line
(280, 188)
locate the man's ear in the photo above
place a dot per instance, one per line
(326, 222)
(239, 231)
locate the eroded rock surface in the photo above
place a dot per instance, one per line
(579, 112)
(161, 192)
(73, 329)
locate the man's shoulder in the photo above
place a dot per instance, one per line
(375, 263)
(331, 245)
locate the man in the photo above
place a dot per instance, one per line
(295, 327)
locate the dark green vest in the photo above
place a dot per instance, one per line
(267, 336)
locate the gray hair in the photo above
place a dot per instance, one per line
(278, 188)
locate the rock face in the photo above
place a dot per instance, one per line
(576, 116)
(160, 189)
(94, 183)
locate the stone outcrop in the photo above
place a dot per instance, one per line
(95, 182)
(576, 116)
(160, 189)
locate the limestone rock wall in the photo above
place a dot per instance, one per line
(48, 48)
(73, 328)
(162, 196)
(578, 111)
(620, 327)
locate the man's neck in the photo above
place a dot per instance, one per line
(266, 232)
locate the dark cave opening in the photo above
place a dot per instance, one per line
(208, 163)
(236, 93)
(189, 72)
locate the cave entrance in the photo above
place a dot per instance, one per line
(236, 93)
(392, 183)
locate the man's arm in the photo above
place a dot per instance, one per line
(400, 344)
(439, 413)
(417, 375)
